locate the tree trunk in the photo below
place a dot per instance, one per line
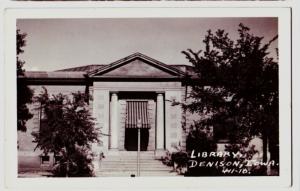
(265, 145)
(67, 168)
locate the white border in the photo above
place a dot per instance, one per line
(281, 182)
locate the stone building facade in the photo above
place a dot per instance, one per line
(132, 90)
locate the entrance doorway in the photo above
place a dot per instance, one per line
(137, 108)
(131, 139)
(136, 118)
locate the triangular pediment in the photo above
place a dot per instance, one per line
(137, 65)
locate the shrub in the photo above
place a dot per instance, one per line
(246, 155)
(198, 141)
(77, 164)
(176, 158)
(180, 161)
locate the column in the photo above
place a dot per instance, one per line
(114, 122)
(160, 122)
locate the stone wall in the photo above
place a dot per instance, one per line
(122, 119)
(173, 117)
(101, 114)
(152, 131)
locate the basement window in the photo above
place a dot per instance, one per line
(45, 159)
(57, 158)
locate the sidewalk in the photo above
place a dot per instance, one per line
(34, 174)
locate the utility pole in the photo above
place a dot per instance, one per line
(139, 125)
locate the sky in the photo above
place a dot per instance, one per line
(53, 44)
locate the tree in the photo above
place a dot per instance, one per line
(24, 93)
(67, 130)
(238, 85)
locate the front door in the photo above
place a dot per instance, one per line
(136, 117)
(131, 139)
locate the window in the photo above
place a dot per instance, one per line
(57, 158)
(45, 159)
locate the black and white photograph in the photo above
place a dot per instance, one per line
(155, 97)
(147, 97)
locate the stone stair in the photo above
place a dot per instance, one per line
(124, 164)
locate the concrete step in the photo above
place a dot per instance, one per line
(131, 153)
(129, 173)
(130, 156)
(130, 162)
(135, 169)
(125, 164)
(124, 168)
(103, 168)
(132, 165)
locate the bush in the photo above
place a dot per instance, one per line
(198, 141)
(246, 155)
(180, 161)
(80, 164)
(176, 158)
(68, 129)
(181, 158)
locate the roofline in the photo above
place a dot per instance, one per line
(54, 81)
(140, 77)
(132, 56)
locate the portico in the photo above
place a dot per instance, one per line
(137, 86)
(164, 120)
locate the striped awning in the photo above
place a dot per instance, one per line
(137, 114)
